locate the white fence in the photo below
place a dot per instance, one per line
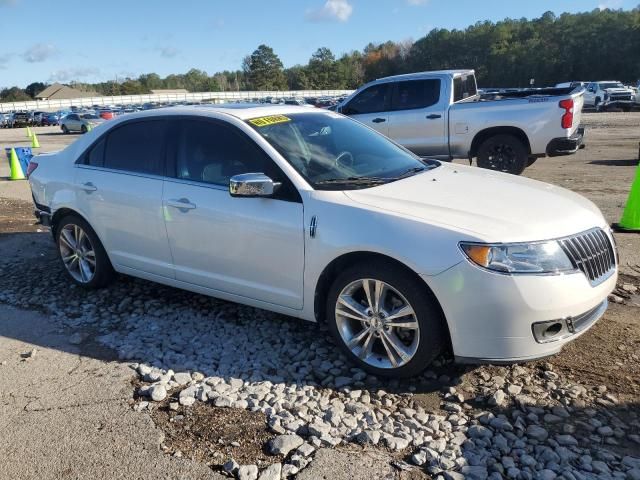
(217, 97)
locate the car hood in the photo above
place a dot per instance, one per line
(485, 205)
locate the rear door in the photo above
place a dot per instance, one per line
(248, 247)
(371, 107)
(118, 185)
(417, 116)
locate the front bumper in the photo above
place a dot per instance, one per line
(566, 145)
(491, 316)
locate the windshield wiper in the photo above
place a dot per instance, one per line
(409, 172)
(353, 181)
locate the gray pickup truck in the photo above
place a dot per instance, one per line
(441, 115)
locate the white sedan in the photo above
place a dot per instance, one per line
(314, 215)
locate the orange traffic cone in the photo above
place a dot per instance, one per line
(16, 168)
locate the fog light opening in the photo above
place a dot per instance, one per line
(549, 331)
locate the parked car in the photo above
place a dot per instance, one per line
(79, 122)
(440, 114)
(314, 215)
(106, 114)
(21, 119)
(606, 94)
(5, 120)
(49, 119)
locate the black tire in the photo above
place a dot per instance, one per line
(83, 129)
(104, 272)
(596, 104)
(531, 161)
(626, 109)
(503, 153)
(432, 334)
(65, 130)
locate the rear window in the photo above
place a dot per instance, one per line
(137, 147)
(464, 86)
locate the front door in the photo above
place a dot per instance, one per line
(249, 247)
(371, 107)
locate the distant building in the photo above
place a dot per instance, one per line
(175, 90)
(62, 92)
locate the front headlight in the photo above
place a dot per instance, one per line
(539, 257)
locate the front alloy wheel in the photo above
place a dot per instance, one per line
(377, 323)
(385, 319)
(77, 253)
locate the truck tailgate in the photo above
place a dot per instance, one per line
(578, 103)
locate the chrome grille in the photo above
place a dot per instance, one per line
(592, 253)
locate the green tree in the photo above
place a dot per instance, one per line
(34, 88)
(264, 70)
(322, 70)
(297, 78)
(14, 94)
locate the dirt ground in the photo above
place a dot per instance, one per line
(607, 355)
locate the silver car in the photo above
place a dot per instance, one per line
(79, 122)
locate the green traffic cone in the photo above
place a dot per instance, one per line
(14, 165)
(630, 221)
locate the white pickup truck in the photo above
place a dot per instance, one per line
(609, 93)
(441, 115)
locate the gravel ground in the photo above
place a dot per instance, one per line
(252, 393)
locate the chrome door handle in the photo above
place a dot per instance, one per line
(88, 187)
(181, 203)
(433, 116)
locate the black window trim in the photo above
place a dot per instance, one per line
(394, 92)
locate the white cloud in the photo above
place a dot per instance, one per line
(68, 74)
(331, 11)
(611, 4)
(39, 52)
(415, 3)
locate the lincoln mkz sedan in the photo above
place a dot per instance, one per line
(311, 214)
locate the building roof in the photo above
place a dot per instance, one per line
(62, 92)
(169, 90)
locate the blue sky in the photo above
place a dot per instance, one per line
(65, 40)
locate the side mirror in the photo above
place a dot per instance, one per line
(252, 185)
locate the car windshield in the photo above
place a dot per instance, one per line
(90, 116)
(334, 152)
(604, 86)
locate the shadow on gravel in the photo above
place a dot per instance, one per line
(172, 329)
(615, 163)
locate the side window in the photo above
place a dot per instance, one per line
(373, 99)
(464, 87)
(137, 147)
(414, 94)
(211, 152)
(95, 155)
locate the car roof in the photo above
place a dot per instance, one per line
(238, 110)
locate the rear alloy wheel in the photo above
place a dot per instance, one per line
(384, 320)
(504, 153)
(82, 254)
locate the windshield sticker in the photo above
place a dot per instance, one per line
(270, 120)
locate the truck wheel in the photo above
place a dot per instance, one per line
(626, 109)
(531, 161)
(504, 153)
